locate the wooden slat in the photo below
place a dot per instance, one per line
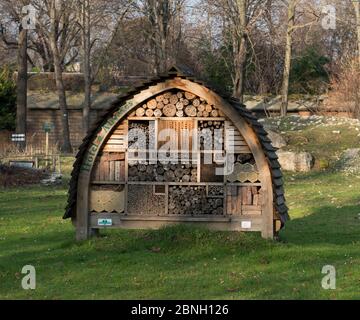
(250, 209)
(246, 196)
(117, 173)
(111, 170)
(114, 148)
(238, 201)
(244, 149)
(104, 170)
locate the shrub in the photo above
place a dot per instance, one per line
(345, 88)
(308, 73)
(7, 100)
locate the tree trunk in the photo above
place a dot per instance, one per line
(240, 65)
(159, 16)
(357, 13)
(87, 65)
(66, 144)
(240, 48)
(287, 62)
(21, 98)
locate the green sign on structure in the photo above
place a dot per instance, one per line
(48, 127)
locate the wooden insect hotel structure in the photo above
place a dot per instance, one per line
(174, 150)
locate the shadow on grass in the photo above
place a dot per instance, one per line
(325, 225)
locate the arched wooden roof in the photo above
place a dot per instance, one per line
(185, 73)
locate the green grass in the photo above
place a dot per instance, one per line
(185, 262)
(192, 263)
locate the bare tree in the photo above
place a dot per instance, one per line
(288, 53)
(15, 8)
(308, 10)
(161, 16)
(57, 24)
(86, 53)
(21, 88)
(357, 14)
(240, 17)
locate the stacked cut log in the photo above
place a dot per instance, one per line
(192, 200)
(162, 172)
(212, 139)
(215, 191)
(177, 104)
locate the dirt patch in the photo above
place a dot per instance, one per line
(13, 176)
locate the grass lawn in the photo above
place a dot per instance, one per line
(192, 263)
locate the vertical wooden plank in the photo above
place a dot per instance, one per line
(166, 199)
(238, 201)
(111, 170)
(96, 169)
(254, 190)
(126, 164)
(248, 196)
(126, 132)
(117, 173)
(126, 211)
(153, 155)
(234, 208)
(104, 168)
(82, 213)
(256, 200)
(225, 199)
(126, 177)
(122, 170)
(229, 203)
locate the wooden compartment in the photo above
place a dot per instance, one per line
(243, 200)
(107, 199)
(142, 200)
(109, 166)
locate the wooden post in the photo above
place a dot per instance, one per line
(82, 209)
(46, 148)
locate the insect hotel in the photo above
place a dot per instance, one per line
(176, 151)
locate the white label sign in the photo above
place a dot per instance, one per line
(246, 224)
(18, 137)
(105, 222)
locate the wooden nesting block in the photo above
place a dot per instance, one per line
(246, 195)
(107, 200)
(233, 200)
(251, 201)
(104, 168)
